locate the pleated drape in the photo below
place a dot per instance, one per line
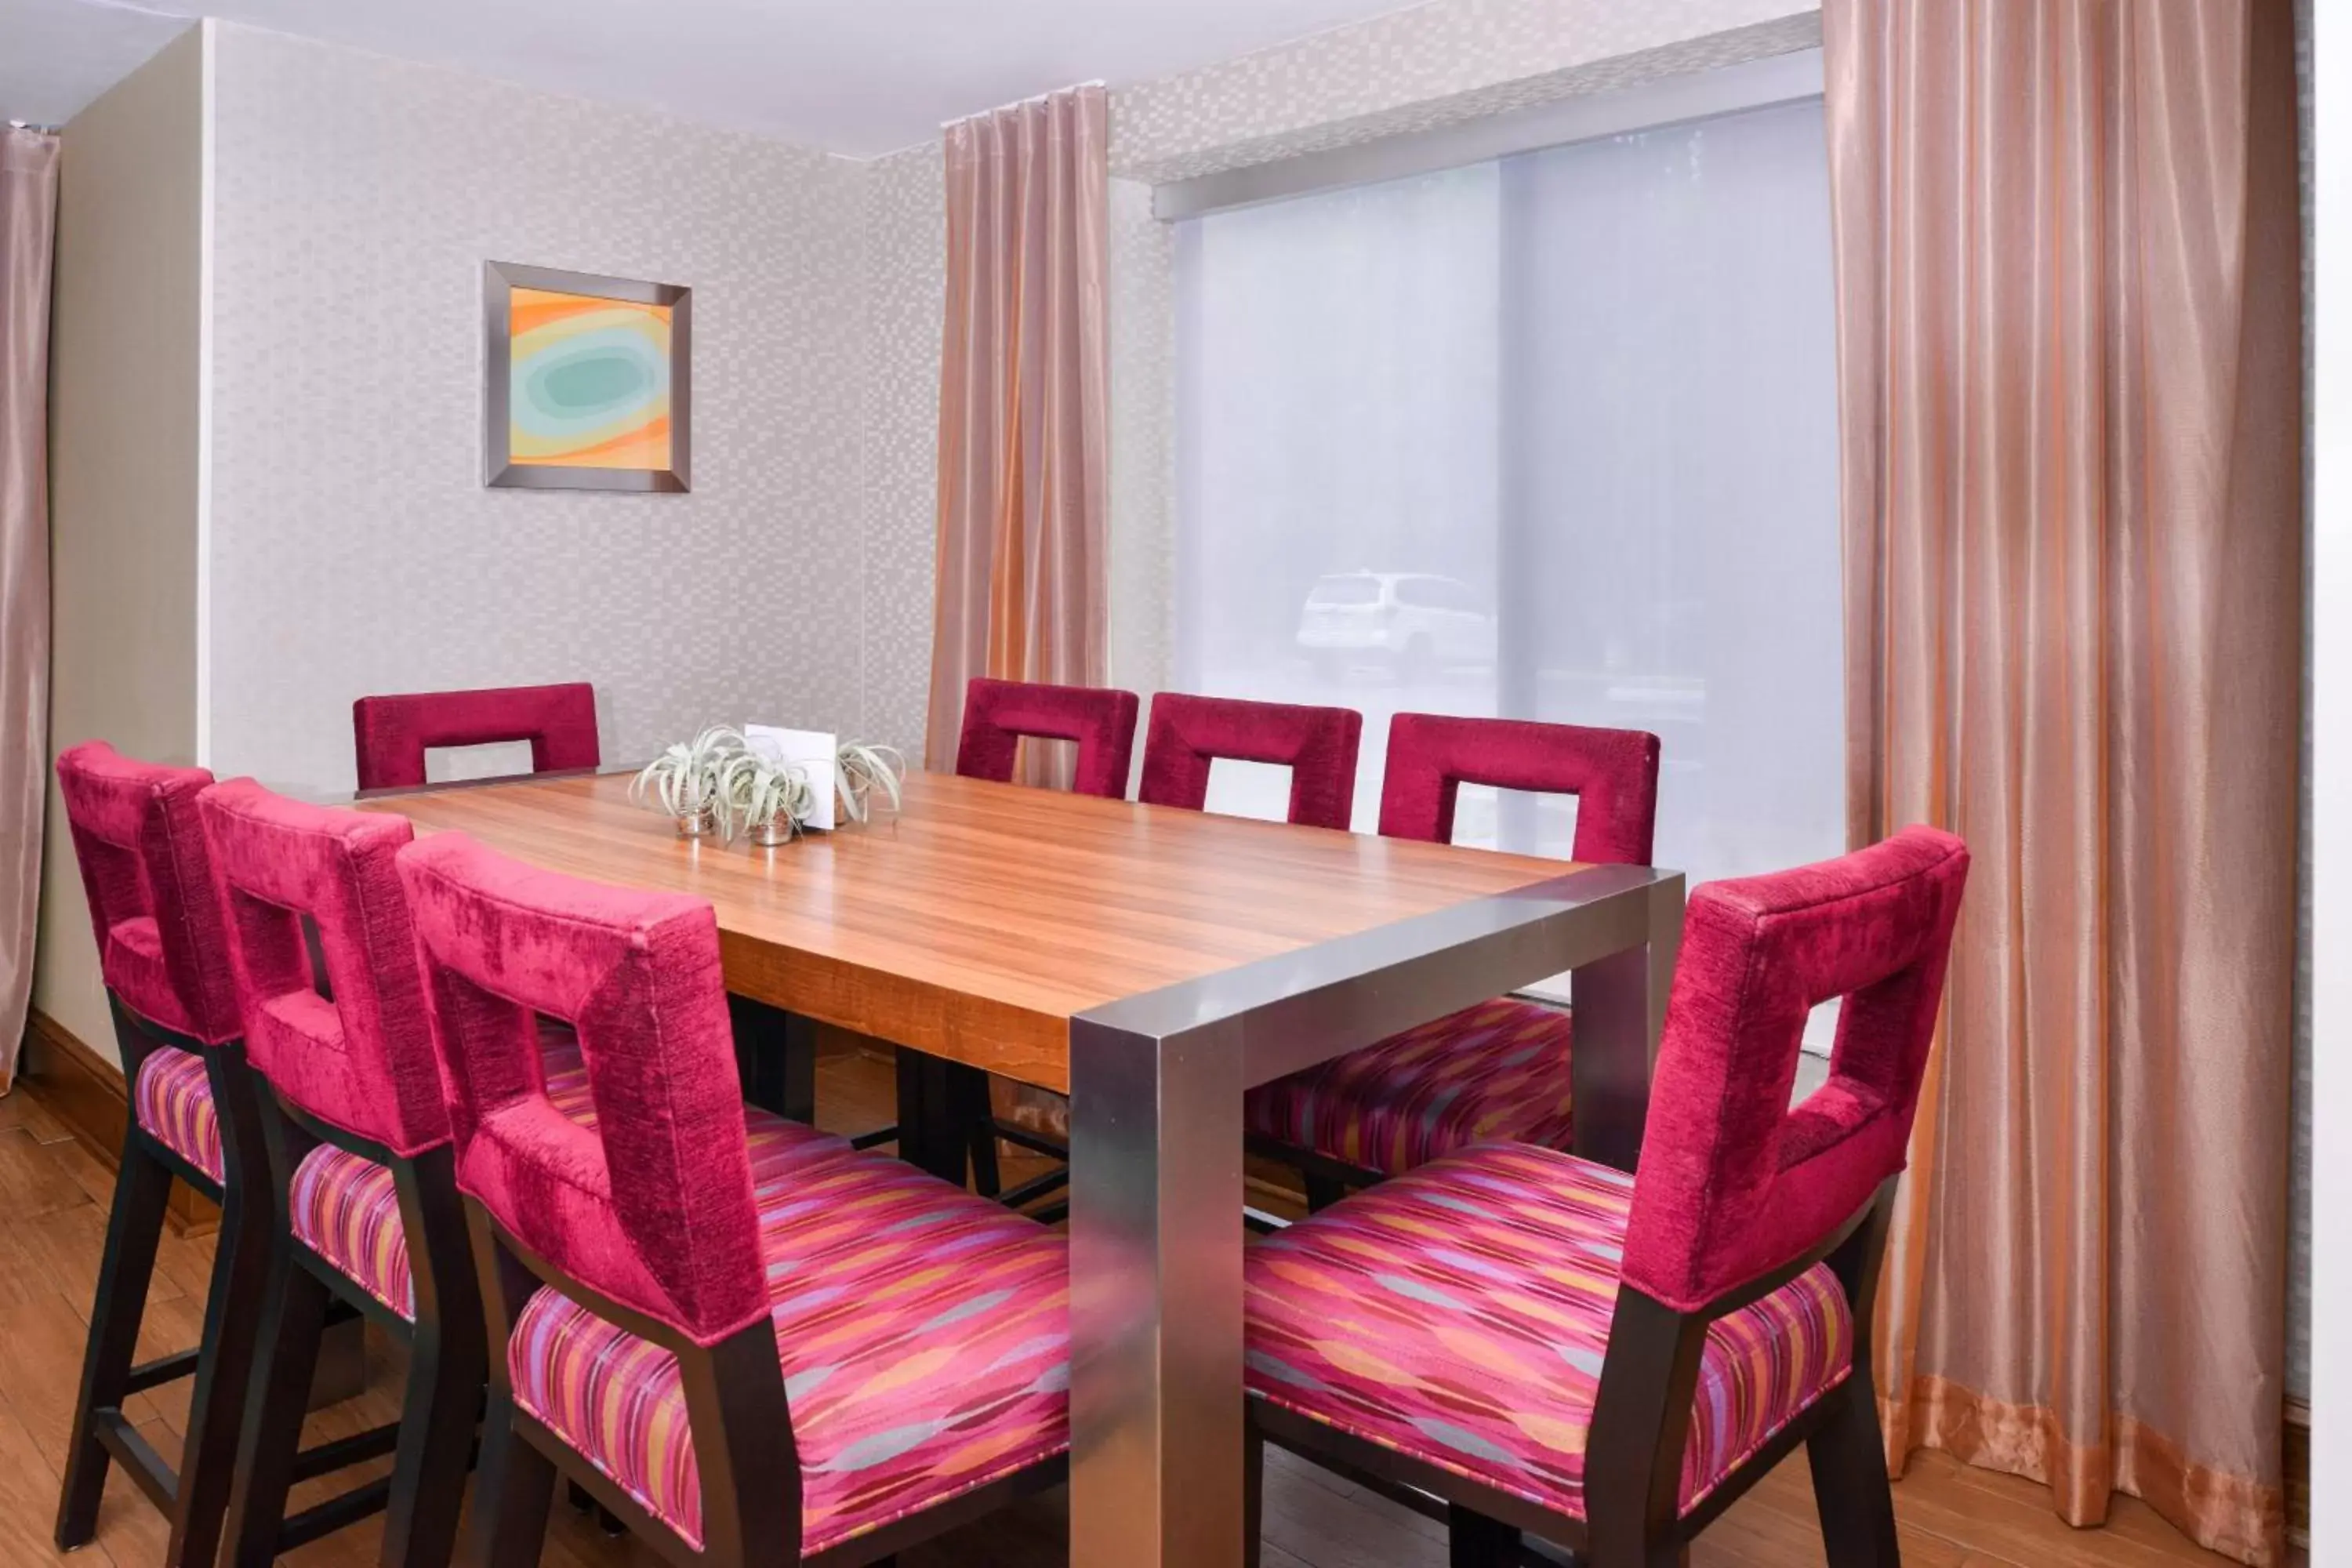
(28, 207)
(1025, 406)
(2067, 293)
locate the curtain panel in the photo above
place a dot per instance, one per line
(1024, 408)
(2071, 425)
(28, 203)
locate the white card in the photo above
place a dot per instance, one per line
(815, 751)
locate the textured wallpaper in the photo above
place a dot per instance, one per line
(905, 235)
(1142, 443)
(354, 548)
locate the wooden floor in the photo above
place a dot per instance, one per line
(53, 1207)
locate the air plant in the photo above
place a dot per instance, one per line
(862, 769)
(687, 780)
(770, 797)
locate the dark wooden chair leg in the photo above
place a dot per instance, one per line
(1848, 1455)
(1322, 1192)
(775, 1053)
(224, 1368)
(292, 1322)
(133, 1227)
(445, 1370)
(1474, 1540)
(583, 1502)
(936, 1114)
(967, 1093)
(513, 1486)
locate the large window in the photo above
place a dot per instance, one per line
(1552, 436)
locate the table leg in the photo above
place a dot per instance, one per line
(1155, 1299)
(934, 1128)
(1620, 1008)
(775, 1051)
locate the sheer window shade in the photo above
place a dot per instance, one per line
(1549, 436)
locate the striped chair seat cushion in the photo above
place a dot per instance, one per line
(173, 1101)
(346, 1208)
(923, 1334)
(1495, 1070)
(1460, 1315)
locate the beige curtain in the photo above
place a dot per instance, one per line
(2067, 310)
(1024, 408)
(28, 205)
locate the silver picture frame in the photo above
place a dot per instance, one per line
(499, 471)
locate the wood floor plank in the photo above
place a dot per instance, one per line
(18, 1109)
(29, 1499)
(31, 1182)
(92, 1175)
(40, 1375)
(68, 1243)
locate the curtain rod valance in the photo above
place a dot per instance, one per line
(1018, 102)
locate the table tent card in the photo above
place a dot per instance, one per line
(815, 751)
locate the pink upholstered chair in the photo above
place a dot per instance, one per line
(1187, 735)
(392, 733)
(141, 849)
(1609, 1361)
(735, 1332)
(362, 1189)
(1318, 744)
(997, 714)
(947, 1122)
(1500, 1069)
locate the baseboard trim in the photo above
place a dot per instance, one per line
(87, 1094)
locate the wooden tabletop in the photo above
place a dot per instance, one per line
(976, 924)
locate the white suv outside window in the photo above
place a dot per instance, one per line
(1410, 623)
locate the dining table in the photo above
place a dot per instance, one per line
(1154, 964)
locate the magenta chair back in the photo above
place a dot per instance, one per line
(998, 713)
(636, 976)
(1501, 1070)
(364, 1061)
(1614, 774)
(392, 733)
(1733, 1184)
(145, 866)
(1318, 744)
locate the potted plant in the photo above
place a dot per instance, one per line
(768, 795)
(862, 769)
(687, 781)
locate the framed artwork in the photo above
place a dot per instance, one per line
(588, 384)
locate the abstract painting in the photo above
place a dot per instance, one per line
(587, 385)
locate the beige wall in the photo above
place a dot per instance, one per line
(123, 466)
(354, 547)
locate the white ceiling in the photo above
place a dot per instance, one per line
(859, 77)
(58, 55)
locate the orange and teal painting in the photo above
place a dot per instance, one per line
(590, 381)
